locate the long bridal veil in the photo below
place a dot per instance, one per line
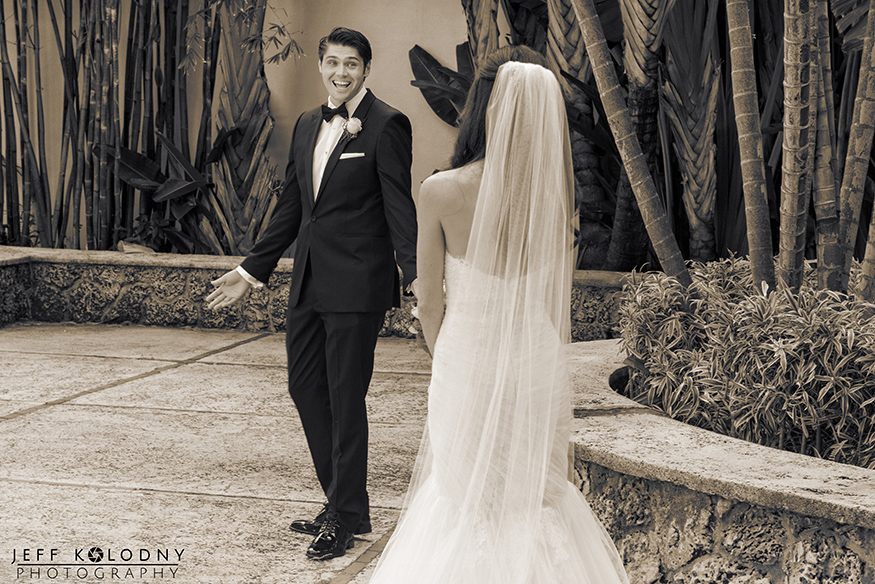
(489, 500)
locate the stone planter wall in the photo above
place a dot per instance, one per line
(688, 506)
(169, 290)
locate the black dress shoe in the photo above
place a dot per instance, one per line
(309, 527)
(333, 540)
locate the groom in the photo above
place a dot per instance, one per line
(347, 203)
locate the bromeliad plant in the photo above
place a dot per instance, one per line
(794, 371)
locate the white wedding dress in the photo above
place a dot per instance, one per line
(490, 501)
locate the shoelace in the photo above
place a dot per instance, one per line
(330, 525)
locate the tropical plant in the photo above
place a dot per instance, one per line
(482, 19)
(445, 90)
(212, 199)
(791, 370)
(689, 98)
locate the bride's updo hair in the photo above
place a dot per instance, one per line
(471, 142)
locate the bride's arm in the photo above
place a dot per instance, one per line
(430, 250)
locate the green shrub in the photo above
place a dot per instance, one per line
(790, 371)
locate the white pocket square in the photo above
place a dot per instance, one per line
(346, 155)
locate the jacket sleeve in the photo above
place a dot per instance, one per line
(394, 157)
(282, 229)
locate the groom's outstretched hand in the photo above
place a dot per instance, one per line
(229, 289)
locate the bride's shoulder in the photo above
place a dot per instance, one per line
(445, 192)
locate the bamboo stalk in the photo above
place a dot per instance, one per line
(59, 216)
(203, 134)
(151, 17)
(115, 137)
(44, 193)
(102, 66)
(11, 178)
(83, 107)
(20, 22)
(92, 72)
(136, 103)
(181, 89)
(131, 112)
(29, 155)
(166, 122)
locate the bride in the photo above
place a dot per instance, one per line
(489, 500)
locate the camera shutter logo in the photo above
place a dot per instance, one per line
(95, 554)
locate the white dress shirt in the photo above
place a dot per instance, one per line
(326, 142)
(329, 135)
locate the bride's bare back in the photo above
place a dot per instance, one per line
(445, 212)
(450, 197)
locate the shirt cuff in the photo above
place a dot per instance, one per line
(246, 276)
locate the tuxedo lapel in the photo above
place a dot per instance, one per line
(311, 133)
(361, 112)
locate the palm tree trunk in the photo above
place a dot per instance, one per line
(566, 51)
(859, 151)
(644, 22)
(750, 140)
(652, 210)
(824, 52)
(825, 190)
(796, 168)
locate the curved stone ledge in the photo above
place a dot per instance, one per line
(168, 290)
(688, 505)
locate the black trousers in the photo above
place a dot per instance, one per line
(331, 360)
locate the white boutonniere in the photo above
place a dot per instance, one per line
(351, 128)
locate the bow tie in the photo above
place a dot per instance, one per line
(328, 113)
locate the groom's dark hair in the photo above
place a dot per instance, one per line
(347, 37)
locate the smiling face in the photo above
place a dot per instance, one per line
(343, 72)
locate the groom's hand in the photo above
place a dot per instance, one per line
(229, 289)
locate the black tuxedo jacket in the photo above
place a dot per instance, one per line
(362, 221)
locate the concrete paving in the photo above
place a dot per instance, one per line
(179, 454)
